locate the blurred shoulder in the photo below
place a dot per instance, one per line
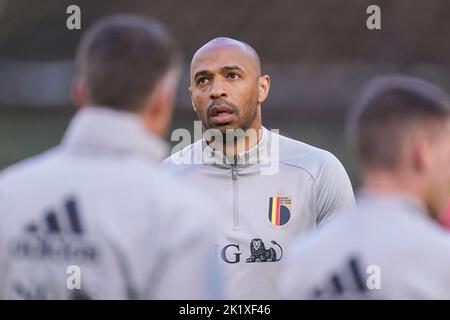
(184, 159)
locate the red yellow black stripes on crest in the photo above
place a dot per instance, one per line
(274, 210)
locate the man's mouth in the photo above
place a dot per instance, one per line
(221, 115)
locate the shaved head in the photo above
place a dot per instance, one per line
(229, 43)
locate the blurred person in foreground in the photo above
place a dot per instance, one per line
(93, 218)
(267, 188)
(390, 246)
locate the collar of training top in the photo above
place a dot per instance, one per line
(97, 128)
(260, 153)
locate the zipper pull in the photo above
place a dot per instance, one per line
(233, 169)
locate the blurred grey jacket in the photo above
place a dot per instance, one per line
(386, 247)
(263, 199)
(94, 219)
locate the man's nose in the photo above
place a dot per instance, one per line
(217, 90)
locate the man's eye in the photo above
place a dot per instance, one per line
(233, 76)
(202, 80)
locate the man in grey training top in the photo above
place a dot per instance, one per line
(94, 218)
(389, 245)
(267, 188)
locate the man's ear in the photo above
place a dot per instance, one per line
(157, 110)
(79, 93)
(193, 105)
(263, 88)
(421, 151)
(163, 100)
(192, 100)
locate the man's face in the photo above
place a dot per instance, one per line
(224, 88)
(439, 172)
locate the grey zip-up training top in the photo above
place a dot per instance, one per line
(263, 200)
(93, 218)
(385, 247)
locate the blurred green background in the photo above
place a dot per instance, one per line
(319, 53)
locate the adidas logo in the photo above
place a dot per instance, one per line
(57, 236)
(68, 222)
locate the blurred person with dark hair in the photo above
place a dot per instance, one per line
(390, 245)
(94, 218)
(267, 188)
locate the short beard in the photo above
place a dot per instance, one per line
(248, 119)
